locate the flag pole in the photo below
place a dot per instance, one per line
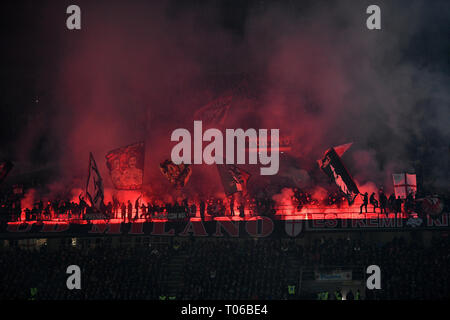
(406, 186)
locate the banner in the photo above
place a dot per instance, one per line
(225, 227)
(5, 168)
(126, 166)
(334, 168)
(94, 185)
(178, 175)
(404, 184)
(233, 178)
(334, 275)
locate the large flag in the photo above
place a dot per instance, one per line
(5, 168)
(333, 167)
(94, 185)
(177, 174)
(215, 112)
(126, 166)
(404, 184)
(234, 179)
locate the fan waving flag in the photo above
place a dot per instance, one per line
(94, 185)
(234, 179)
(333, 167)
(404, 184)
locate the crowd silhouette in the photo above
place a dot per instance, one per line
(138, 208)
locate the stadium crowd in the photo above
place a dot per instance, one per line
(107, 273)
(220, 268)
(223, 270)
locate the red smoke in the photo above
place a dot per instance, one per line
(136, 73)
